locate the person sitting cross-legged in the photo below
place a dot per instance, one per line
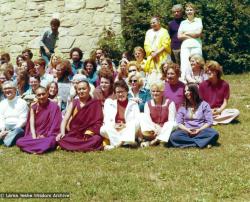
(121, 124)
(43, 125)
(13, 115)
(194, 121)
(80, 128)
(158, 119)
(216, 92)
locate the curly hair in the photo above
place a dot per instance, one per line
(76, 49)
(55, 22)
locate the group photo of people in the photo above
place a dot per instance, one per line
(165, 93)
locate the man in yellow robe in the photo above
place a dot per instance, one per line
(157, 46)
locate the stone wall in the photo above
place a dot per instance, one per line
(82, 22)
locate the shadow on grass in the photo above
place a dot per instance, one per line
(235, 121)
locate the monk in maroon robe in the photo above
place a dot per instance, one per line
(84, 118)
(42, 126)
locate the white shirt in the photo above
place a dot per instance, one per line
(132, 111)
(46, 79)
(194, 26)
(153, 37)
(13, 113)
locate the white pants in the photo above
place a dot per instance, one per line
(127, 134)
(185, 63)
(163, 132)
(226, 116)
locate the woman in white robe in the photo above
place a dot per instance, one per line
(121, 124)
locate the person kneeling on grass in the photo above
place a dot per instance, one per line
(13, 115)
(121, 125)
(43, 125)
(158, 119)
(84, 118)
(194, 120)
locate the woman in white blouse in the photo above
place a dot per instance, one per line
(189, 32)
(121, 124)
(197, 73)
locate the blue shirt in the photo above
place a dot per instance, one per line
(93, 78)
(144, 95)
(76, 66)
(49, 40)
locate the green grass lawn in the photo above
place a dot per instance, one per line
(150, 174)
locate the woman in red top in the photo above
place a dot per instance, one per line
(158, 119)
(216, 92)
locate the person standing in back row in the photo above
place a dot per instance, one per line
(189, 33)
(48, 40)
(157, 46)
(173, 27)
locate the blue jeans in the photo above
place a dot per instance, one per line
(180, 138)
(45, 56)
(12, 136)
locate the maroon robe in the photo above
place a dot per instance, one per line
(47, 123)
(85, 119)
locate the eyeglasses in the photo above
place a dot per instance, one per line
(132, 70)
(132, 81)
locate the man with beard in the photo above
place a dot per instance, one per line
(76, 57)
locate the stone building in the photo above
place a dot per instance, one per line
(82, 21)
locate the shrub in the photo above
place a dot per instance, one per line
(226, 28)
(111, 44)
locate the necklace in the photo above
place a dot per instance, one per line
(191, 112)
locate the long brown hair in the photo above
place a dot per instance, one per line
(194, 90)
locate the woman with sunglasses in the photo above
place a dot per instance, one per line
(137, 92)
(134, 67)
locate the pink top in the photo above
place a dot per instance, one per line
(214, 94)
(175, 93)
(159, 113)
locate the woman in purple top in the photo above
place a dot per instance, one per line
(194, 121)
(174, 89)
(43, 125)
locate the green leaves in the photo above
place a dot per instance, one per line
(226, 28)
